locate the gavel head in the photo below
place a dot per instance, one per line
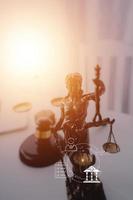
(45, 120)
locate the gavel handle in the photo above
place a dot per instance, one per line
(60, 122)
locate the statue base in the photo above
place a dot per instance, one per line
(85, 191)
(39, 152)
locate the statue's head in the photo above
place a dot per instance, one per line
(74, 84)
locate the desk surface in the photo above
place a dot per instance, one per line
(19, 182)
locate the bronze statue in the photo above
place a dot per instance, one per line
(46, 146)
(75, 107)
(72, 121)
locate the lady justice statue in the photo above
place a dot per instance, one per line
(75, 107)
(75, 128)
(72, 121)
(46, 146)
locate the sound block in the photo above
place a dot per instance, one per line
(39, 152)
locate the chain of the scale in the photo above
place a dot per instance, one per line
(63, 165)
(111, 134)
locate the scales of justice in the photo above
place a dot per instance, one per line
(47, 146)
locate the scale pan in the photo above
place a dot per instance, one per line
(22, 107)
(57, 101)
(111, 147)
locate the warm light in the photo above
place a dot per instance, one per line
(28, 51)
(35, 61)
(25, 52)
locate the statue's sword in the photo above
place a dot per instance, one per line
(97, 94)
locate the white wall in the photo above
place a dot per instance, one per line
(109, 42)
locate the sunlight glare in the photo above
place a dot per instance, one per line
(28, 51)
